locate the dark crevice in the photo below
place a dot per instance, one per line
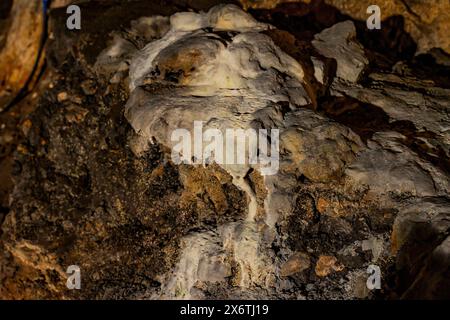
(426, 66)
(366, 119)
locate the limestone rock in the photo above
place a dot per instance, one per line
(420, 103)
(319, 70)
(339, 43)
(296, 263)
(425, 21)
(387, 166)
(316, 147)
(363, 158)
(433, 281)
(20, 48)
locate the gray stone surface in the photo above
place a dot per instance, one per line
(339, 42)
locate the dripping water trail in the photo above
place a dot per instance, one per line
(243, 184)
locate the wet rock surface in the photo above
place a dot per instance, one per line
(363, 174)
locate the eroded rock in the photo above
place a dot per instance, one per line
(425, 21)
(95, 184)
(339, 42)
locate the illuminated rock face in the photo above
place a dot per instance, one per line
(425, 21)
(216, 69)
(222, 68)
(338, 42)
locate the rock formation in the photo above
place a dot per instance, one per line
(363, 176)
(425, 21)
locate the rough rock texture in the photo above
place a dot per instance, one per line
(338, 42)
(426, 21)
(21, 29)
(363, 176)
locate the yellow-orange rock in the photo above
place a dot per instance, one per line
(298, 262)
(327, 264)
